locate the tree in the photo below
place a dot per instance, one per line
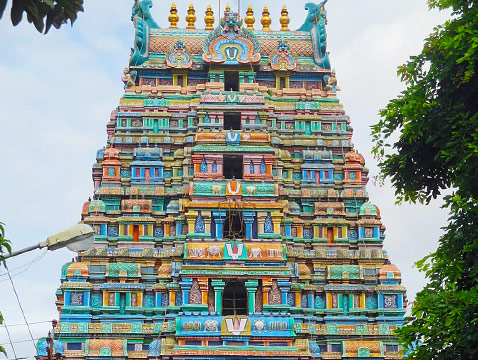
(5, 248)
(427, 142)
(43, 13)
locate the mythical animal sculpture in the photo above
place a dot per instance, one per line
(141, 8)
(211, 325)
(251, 190)
(316, 22)
(216, 189)
(214, 250)
(255, 253)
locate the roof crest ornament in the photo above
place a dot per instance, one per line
(141, 9)
(315, 23)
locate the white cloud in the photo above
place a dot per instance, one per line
(58, 90)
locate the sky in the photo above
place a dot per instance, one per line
(59, 89)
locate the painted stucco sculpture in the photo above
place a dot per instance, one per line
(230, 207)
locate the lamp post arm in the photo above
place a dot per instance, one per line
(40, 245)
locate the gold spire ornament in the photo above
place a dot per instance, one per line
(173, 17)
(228, 8)
(284, 19)
(191, 17)
(266, 19)
(209, 18)
(250, 19)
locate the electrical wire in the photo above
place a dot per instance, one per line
(9, 272)
(10, 340)
(21, 308)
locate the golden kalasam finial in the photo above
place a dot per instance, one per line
(266, 19)
(250, 19)
(191, 17)
(284, 19)
(228, 8)
(209, 18)
(173, 17)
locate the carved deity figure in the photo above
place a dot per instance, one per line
(275, 295)
(128, 78)
(316, 22)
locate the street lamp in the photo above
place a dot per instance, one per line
(77, 238)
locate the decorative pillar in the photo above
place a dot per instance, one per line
(251, 286)
(203, 286)
(219, 218)
(276, 219)
(185, 285)
(284, 286)
(249, 217)
(218, 286)
(266, 287)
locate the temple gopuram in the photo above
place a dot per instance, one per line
(230, 206)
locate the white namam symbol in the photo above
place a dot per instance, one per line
(232, 136)
(233, 187)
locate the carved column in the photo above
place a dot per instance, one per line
(219, 217)
(276, 219)
(203, 285)
(284, 286)
(218, 286)
(249, 217)
(185, 285)
(251, 286)
(266, 287)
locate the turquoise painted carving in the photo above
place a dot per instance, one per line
(141, 9)
(372, 302)
(320, 302)
(105, 351)
(316, 22)
(363, 352)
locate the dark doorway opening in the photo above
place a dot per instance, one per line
(231, 81)
(232, 121)
(233, 167)
(234, 300)
(234, 226)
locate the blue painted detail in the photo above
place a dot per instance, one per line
(159, 232)
(148, 300)
(179, 299)
(304, 301)
(251, 167)
(263, 166)
(233, 138)
(96, 300)
(199, 227)
(203, 166)
(308, 233)
(164, 300)
(320, 302)
(155, 348)
(268, 225)
(353, 235)
(291, 299)
(372, 302)
(214, 167)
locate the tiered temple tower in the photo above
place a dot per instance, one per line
(230, 206)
